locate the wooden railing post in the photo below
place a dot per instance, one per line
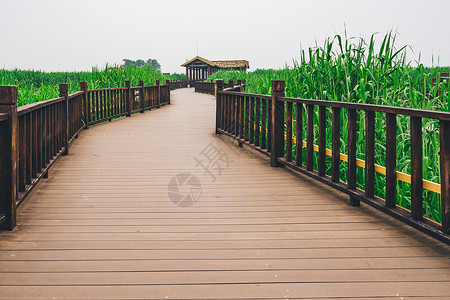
(64, 92)
(444, 132)
(167, 82)
(230, 83)
(86, 104)
(219, 83)
(243, 83)
(141, 95)
(158, 101)
(277, 131)
(128, 97)
(8, 156)
(239, 82)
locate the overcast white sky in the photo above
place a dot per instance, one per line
(57, 35)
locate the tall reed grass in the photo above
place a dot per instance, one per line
(34, 86)
(355, 70)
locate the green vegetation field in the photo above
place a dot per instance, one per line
(36, 86)
(355, 70)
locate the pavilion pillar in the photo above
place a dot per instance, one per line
(187, 74)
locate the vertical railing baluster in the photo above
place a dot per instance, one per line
(39, 140)
(336, 144)
(111, 103)
(264, 123)
(238, 116)
(34, 144)
(128, 98)
(253, 120)
(101, 99)
(322, 139)
(351, 141)
(242, 122)
(416, 169)
(257, 121)
(45, 124)
(22, 153)
(309, 136)
(370, 154)
(223, 100)
(247, 118)
(141, 95)
(29, 135)
(231, 114)
(158, 95)
(298, 134)
(391, 153)
(444, 133)
(228, 114)
(116, 105)
(97, 104)
(53, 124)
(288, 131)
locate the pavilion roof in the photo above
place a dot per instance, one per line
(220, 63)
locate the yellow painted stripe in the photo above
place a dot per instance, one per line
(427, 185)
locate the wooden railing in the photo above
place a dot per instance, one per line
(176, 84)
(210, 87)
(33, 136)
(266, 124)
(205, 87)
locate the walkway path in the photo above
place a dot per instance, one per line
(103, 226)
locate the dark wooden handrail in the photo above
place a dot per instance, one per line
(265, 123)
(33, 136)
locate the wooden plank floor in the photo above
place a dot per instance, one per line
(103, 226)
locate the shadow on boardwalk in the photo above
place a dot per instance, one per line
(103, 225)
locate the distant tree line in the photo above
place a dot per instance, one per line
(129, 63)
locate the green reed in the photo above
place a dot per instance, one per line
(34, 86)
(355, 70)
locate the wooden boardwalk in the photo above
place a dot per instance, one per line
(103, 226)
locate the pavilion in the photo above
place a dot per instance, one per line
(200, 68)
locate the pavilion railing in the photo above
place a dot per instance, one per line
(265, 123)
(33, 136)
